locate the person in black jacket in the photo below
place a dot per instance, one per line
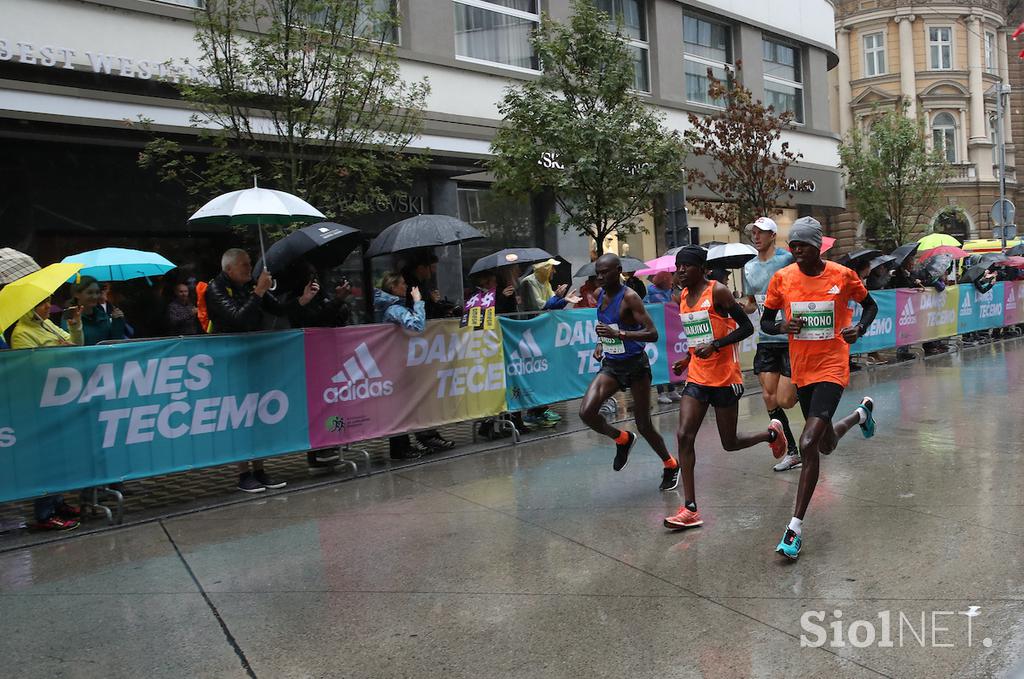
(235, 304)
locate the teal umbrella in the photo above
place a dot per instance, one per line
(119, 264)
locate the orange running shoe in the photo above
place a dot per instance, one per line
(780, 444)
(684, 519)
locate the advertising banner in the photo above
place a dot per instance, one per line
(365, 382)
(925, 315)
(882, 333)
(75, 418)
(676, 345)
(978, 310)
(550, 358)
(1013, 307)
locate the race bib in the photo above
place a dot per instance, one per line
(613, 345)
(759, 300)
(819, 319)
(697, 326)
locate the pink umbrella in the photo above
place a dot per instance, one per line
(826, 244)
(952, 251)
(663, 263)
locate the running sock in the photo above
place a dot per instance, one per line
(622, 438)
(780, 415)
(691, 505)
(670, 463)
(795, 524)
(862, 415)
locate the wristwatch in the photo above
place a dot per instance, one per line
(717, 345)
(861, 330)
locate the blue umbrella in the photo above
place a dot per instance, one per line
(119, 264)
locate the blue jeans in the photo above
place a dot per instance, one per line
(45, 507)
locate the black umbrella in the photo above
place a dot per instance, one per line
(938, 265)
(422, 231)
(508, 257)
(629, 265)
(1016, 251)
(991, 258)
(975, 273)
(881, 260)
(858, 257)
(902, 252)
(730, 256)
(323, 245)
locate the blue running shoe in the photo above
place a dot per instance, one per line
(867, 427)
(790, 545)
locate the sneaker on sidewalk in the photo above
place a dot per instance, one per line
(267, 481)
(327, 455)
(247, 483)
(867, 427)
(781, 444)
(674, 396)
(790, 544)
(683, 519)
(622, 452)
(664, 399)
(551, 416)
(791, 461)
(56, 523)
(669, 478)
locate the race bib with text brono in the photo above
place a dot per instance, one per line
(697, 327)
(613, 345)
(819, 319)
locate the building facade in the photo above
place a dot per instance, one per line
(75, 74)
(943, 58)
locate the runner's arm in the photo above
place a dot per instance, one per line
(769, 325)
(724, 301)
(640, 315)
(870, 311)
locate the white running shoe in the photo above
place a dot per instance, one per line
(787, 463)
(664, 399)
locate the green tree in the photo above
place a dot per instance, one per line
(893, 180)
(307, 95)
(580, 132)
(749, 161)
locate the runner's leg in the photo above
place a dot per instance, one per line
(641, 390)
(603, 387)
(727, 417)
(691, 416)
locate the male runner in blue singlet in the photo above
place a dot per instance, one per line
(622, 329)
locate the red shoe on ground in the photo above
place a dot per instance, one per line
(56, 523)
(684, 519)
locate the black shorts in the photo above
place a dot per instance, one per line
(718, 397)
(819, 399)
(772, 357)
(626, 371)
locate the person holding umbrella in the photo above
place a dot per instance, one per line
(35, 330)
(97, 325)
(235, 304)
(771, 362)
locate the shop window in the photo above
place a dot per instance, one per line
(496, 32)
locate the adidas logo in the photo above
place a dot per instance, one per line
(359, 378)
(705, 304)
(527, 358)
(965, 308)
(908, 316)
(834, 290)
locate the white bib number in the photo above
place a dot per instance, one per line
(819, 319)
(697, 326)
(759, 300)
(613, 345)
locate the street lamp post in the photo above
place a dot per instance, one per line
(1001, 89)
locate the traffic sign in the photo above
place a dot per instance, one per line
(1003, 212)
(1010, 229)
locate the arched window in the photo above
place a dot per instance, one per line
(944, 135)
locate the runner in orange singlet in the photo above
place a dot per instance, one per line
(814, 295)
(714, 323)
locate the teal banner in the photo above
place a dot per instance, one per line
(75, 418)
(882, 333)
(549, 358)
(980, 310)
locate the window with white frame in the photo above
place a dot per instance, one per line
(991, 60)
(940, 48)
(496, 32)
(706, 45)
(199, 4)
(631, 16)
(783, 78)
(944, 135)
(874, 54)
(374, 19)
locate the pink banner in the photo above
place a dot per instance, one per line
(925, 315)
(1013, 306)
(370, 381)
(675, 339)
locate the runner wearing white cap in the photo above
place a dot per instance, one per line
(771, 362)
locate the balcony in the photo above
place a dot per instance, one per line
(1011, 173)
(962, 172)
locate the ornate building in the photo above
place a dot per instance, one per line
(943, 58)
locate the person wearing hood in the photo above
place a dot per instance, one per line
(537, 293)
(33, 331)
(389, 307)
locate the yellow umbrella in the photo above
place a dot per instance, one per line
(934, 240)
(21, 296)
